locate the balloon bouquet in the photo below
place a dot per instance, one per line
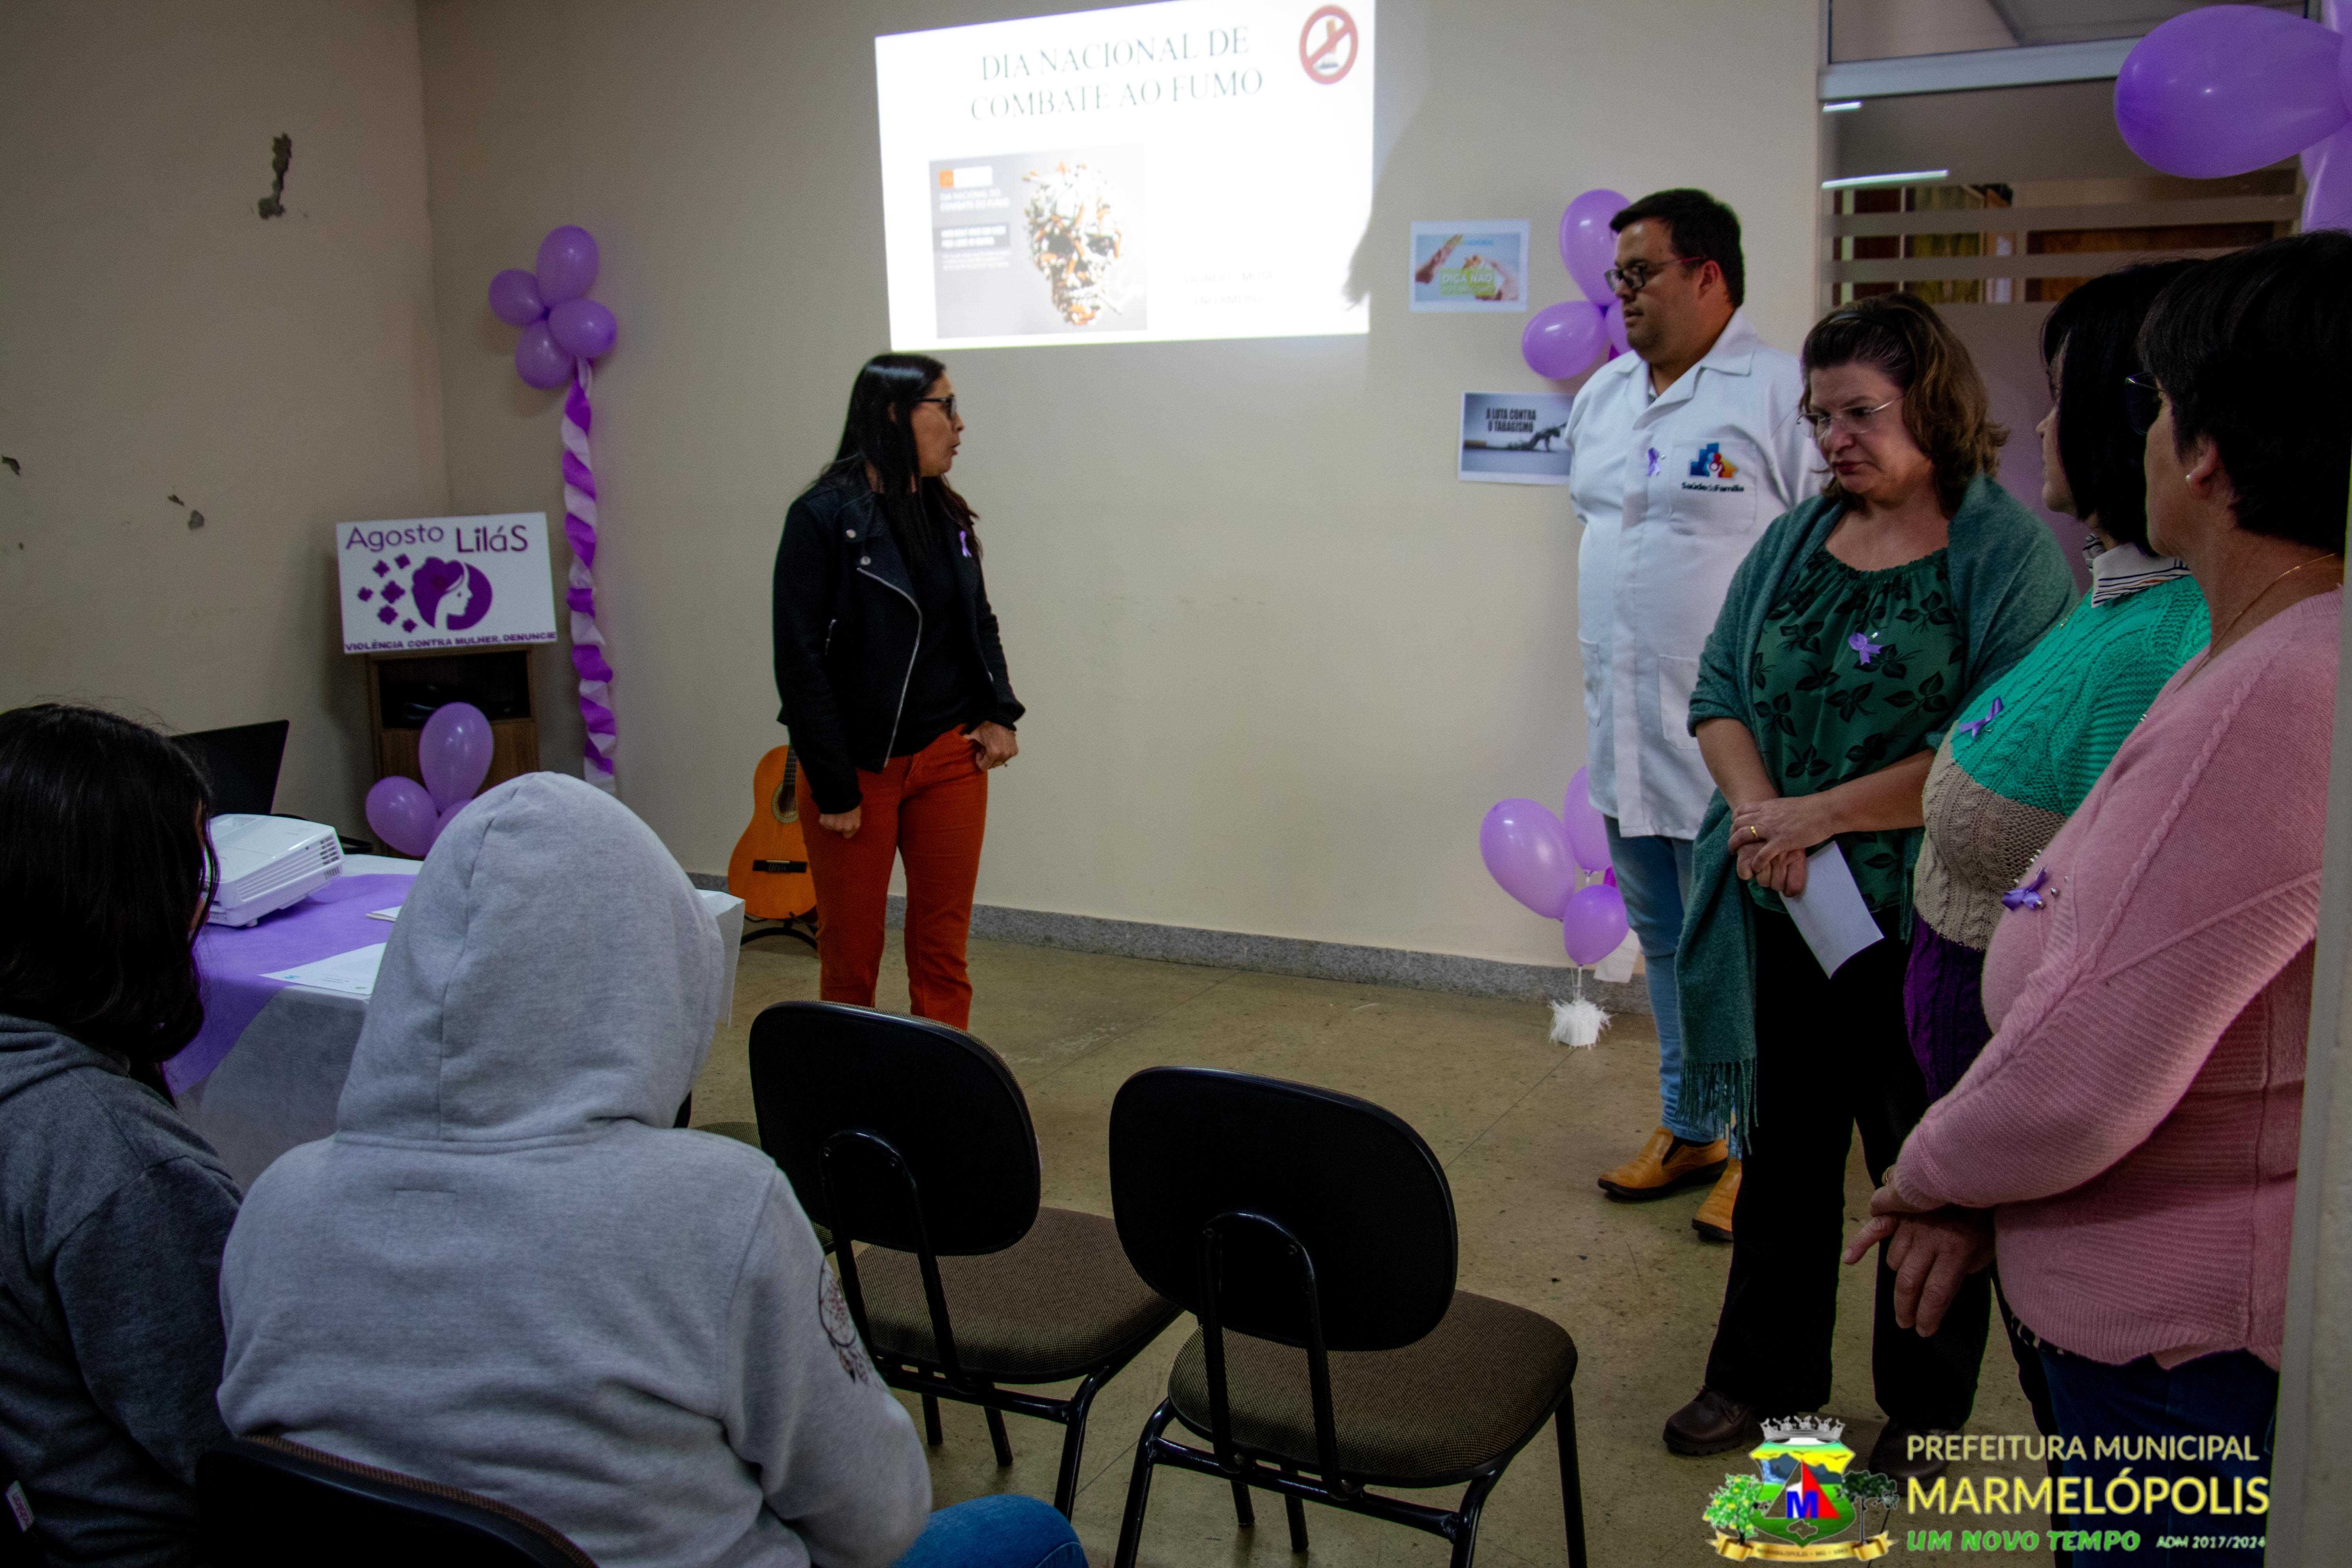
(1563, 340)
(1559, 867)
(563, 330)
(454, 755)
(2228, 90)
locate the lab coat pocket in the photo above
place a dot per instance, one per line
(1596, 672)
(1677, 677)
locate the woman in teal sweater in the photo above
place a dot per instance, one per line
(1845, 648)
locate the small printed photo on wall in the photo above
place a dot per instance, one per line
(1515, 437)
(1469, 266)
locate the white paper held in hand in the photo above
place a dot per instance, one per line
(1830, 913)
(349, 973)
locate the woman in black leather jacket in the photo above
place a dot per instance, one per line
(893, 684)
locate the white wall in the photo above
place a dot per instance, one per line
(161, 338)
(1278, 662)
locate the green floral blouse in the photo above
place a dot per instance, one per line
(1855, 670)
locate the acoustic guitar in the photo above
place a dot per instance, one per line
(769, 871)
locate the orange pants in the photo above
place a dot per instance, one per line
(929, 809)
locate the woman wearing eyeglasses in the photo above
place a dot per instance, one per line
(893, 683)
(1849, 637)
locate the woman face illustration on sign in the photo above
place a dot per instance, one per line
(454, 588)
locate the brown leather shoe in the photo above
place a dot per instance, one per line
(1713, 1423)
(1661, 1168)
(1713, 1220)
(1891, 1455)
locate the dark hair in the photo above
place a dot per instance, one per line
(879, 431)
(2250, 350)
(104, 862)
(1944, 405)
(1698, 226)
(2097, 326)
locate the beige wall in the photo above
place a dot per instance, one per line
(1279, 661)
(159, 338)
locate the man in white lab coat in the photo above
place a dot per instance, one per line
(1684, 450)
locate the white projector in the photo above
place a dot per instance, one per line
(268, 863)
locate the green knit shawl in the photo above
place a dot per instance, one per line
(2010, 584)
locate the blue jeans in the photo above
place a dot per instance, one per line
(1000, 1531)
(1653, 874)
(2231, 1394)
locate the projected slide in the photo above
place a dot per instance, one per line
(1189, 169)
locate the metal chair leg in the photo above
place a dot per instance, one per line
(996, 1438)
(1245, 1515)
(1466, 1519)
(1571, 1490)
(1139, 1486)
(1074, 1445)
(931, 1421)
(1298, 1512)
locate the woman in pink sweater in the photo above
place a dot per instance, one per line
(2128, 1141)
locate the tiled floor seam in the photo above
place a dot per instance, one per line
(1030, 1084)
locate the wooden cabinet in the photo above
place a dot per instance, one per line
(405, 687)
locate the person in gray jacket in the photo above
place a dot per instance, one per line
(112, 1211)
(506, 1272)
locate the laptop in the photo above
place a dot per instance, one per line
(239, 764)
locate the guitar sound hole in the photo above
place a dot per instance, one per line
(786, 806)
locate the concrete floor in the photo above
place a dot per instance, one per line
(1522, 1126)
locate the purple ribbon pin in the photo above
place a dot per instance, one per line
(2028, 897)
(964, 540)
(1654, 462)
(1976, 727)
(1864, 649)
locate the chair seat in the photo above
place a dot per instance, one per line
(1057, 1304)
(1437, 1412)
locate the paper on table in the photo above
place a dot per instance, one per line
(391, 914)
(351, 974)
(1830, 913)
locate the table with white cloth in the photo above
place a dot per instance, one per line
(266, 1070)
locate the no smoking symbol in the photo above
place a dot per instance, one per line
(1330, 55)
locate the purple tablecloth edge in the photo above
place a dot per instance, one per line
(234, 962)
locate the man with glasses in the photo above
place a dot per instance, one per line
(1684, 450)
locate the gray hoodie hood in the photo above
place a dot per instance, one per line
(551, 972)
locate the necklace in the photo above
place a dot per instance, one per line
(2257, 599)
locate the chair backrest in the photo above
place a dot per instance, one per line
(240, 765)
(820, 1070)
(264, 1502)
(1358, 1188)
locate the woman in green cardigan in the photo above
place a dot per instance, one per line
(1848, 642)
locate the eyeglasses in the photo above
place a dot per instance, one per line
(2142, 401)
(1856, 420)
(947, 405)
(1636, 276)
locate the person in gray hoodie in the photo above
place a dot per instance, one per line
(113, 1210)
(506, 1272)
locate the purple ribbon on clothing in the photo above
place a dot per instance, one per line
(2028, 897)
(1864, 649)
(1976, 727)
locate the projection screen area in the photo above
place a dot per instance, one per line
(1149, 174)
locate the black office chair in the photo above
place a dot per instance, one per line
(264, 1502)
(1312, 1234)
(913, 1136)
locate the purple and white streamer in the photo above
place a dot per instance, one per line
(587, 641)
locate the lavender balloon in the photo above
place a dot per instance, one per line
(2226, 90)
(1587, 829)
(447, 817)
(2327, 183)
(1613, 322)
(1592, 924)
(567, 264)
(454, 753)
(583, 327)
(514, 298)
(539, 358)
(1527, 854)
(403, 814)
(1563, 340)
(1587, 247)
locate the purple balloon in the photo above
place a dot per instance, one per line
(1587, 829)
(454, 753)
(2226, 90)
(539, 358)
(581, 327)
(1587, 247)
(1612, 324)
(1563, 340)
(567, 264)
(1592, 924)
(514, 298)
(447, 817)
(1527, 854)
(2327, 183)
(403, 814)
